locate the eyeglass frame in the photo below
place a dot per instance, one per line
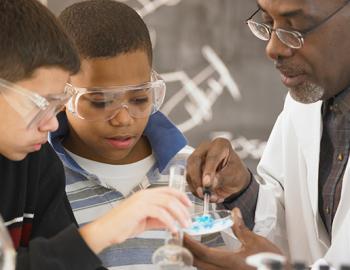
(299, 34)
(41, 102)
(155, 79)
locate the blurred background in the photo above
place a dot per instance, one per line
(219, 81)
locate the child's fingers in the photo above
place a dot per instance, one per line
(154, 224)
(164, 217)
(176, 193)
(170, 201)
(174, 207)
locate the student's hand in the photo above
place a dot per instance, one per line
(216, 165)
(148, 209)
(206, 258)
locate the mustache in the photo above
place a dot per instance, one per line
(288, 68)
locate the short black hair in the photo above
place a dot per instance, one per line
(105, 28)
(32, 37)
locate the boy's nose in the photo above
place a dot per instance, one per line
(122, 117)
(49, 125)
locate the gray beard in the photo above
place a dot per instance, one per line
(307, 93)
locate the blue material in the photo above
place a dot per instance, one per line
(206, 221)
(207, 224)
(160, 131)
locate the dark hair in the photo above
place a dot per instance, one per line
(31, 37)
(105, 28)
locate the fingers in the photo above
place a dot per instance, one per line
(251, 242)
(176, 193)
(213, 258)
(147, 209)
(202, 258)
(174, 203)
(154, 224)
(196, 248)
(157, 217)
(194, 169)
(205, 162)
(178, 212)
(239, 229)
(217, 155)
(167, 205)
(206, 254)
(165, 215)
(233, 177)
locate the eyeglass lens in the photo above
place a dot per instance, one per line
(105, 105)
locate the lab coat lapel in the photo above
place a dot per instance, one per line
(307, 119)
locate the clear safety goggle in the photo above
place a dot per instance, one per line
(103, 104)
(34, 109)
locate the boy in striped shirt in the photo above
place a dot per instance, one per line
(112, 139)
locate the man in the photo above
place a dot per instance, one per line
(299, 203)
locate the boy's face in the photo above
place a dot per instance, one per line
(118, 140)
(17, 140)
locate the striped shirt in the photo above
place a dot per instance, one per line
(91, 198)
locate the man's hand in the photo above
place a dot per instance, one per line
(251, 242)
(216, 165)
(206, 258)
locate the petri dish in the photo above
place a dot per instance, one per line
(214, 221)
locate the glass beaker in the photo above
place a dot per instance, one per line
(173, 256)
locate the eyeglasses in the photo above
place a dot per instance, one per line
(291, 38)
(103, 104)
(32, 107)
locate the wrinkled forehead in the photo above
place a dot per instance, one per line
(298, 8)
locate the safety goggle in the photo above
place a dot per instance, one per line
(103, 104)
(32, 107)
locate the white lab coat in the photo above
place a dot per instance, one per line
(287, 208)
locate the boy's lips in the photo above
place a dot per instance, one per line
(37, 145)
(122, 142)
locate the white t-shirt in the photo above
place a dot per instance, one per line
(122, 178)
